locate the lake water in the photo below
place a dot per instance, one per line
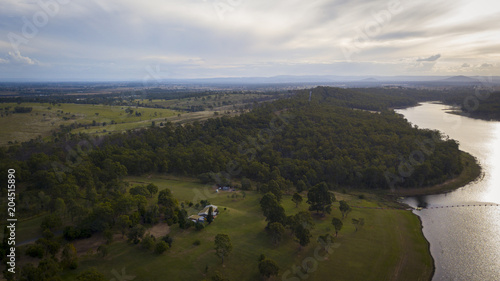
(465, 241)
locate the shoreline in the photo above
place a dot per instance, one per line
(468, 115)
(428, 246)
(472, 171)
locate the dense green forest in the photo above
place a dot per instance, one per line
(296, 142)
(482, 105)
(475, 102)
(324, 135)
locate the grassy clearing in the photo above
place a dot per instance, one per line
(46, 117)
(390, 246)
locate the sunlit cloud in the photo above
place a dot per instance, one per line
(193, 38)
(431, 58)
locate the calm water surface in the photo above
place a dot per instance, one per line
(465, 241)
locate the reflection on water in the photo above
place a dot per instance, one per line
(465, 242)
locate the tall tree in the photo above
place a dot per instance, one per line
(301, 224)
(210, 217)
(268, 268)
(223, 246)
(272, 209)
(358, 223)
(276, 230)
(153, 189)
(297, 199)
(320, 198)
(337, 224)
(344, 208)
(303, 235)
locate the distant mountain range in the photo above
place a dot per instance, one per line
(342, 79)
(336, 80)
(461, 79)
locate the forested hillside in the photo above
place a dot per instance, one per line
(294, 142)
(324, 137)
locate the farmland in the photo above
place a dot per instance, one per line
(377, 251)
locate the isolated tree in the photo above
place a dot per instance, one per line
(344, 208)
(223, 246)
(358, 223)
(272, 209)
(320, 198)
(297, 199)
(268, 268)
(210, 217)
(160, 247)
(303, 235)
(276, 230)
(168, 240)
(337, 224)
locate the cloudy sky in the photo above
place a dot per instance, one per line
(133, 40)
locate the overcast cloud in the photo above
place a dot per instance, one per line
(122, 39)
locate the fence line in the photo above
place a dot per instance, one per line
(431, 208)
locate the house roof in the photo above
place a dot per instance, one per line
(194, 217)
(205, 210)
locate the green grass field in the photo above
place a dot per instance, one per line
(390, 246)
(46, 117)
